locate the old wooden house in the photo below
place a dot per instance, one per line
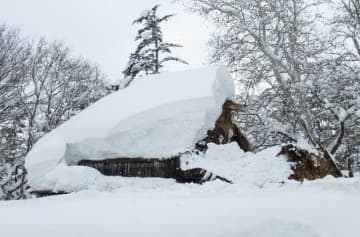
(143, 130)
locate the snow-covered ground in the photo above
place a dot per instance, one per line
(260, 203)
(161, 207)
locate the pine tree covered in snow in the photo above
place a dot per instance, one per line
(151, 52)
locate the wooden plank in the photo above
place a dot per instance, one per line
(136, 167)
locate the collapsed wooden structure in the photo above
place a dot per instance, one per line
(136, 167)
(305, 165)
(162, 168)
(225, 131)
(308, 165)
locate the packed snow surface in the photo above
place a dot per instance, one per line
(161, 207)
(262, 202)
(156, 116)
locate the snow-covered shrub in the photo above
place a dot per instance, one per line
(13, 182)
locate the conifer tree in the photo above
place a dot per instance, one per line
(151, 52)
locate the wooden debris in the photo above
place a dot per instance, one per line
(46, 193)
(225, 130)
(141, 167)
(198, 175)
(307, 165)
(136, 167)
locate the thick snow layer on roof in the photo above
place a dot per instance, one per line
(158, 115)
(157, 133)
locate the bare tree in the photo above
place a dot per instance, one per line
(347, 22)
(32, 87)
(275, 45)
(346, 25)
(13, 55)
(55, 88)
(41, 86)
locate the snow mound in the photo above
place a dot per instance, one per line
(73, 178)
(159, 115)
(244, 169)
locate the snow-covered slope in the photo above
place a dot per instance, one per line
(159, 115)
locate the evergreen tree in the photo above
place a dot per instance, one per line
(148, 57)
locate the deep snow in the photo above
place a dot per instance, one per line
(155, 207)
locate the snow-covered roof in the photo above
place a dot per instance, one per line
(156, 116)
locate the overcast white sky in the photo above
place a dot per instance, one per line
(101, 30)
